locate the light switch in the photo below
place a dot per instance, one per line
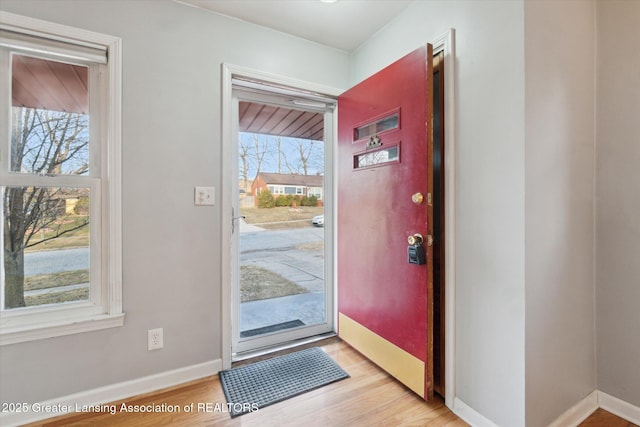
(205, 196)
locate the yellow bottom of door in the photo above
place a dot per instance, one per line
(404, 366)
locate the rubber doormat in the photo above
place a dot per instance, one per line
(251, 387)
(272, 328)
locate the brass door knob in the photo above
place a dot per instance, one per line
(415, 239)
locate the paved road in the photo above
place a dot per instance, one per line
(279, 239)
(46, 262)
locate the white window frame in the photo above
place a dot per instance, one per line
(315, 191)
(104, 309)
(277, 189)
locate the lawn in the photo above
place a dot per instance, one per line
(258, 283)
(281, 217)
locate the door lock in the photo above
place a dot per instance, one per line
(415, 250)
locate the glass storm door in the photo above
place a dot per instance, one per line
(282, 287)
(385, 278)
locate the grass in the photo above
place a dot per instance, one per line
(257, 283)
(281, 217)
(73, 239)
(64, 278)
(56, 280)
(58, 297)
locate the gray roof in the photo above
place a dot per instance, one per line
(292, 179)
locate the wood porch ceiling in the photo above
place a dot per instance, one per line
(51, 85)
(280, 121)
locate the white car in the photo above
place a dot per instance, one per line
(318, 221)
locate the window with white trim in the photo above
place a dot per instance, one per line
(60, 264)
(276, 189)
(315, 191)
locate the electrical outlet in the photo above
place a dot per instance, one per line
(154, 339)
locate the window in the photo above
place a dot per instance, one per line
(276, 189)
(315, 191)
(59, 180)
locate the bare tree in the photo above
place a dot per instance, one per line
(42, 143)
(244, 154)
(308, 155)
(280, 153)
(261, 147)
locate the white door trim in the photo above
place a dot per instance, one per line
(230, 71)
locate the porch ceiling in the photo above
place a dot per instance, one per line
(49, 85)
(280, 121)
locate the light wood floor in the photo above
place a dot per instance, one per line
(369, 398)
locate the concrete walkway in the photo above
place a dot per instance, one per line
(309, 308)
(298, 257)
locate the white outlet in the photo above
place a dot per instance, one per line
(205, 196)
(154, 339)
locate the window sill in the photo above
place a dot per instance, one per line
(19, 334)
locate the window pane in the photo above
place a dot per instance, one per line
(370, 129)
(50, 121)
(46, 245)
(378, 157)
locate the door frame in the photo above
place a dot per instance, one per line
(446, 43)
(229, 73)
(261, 94)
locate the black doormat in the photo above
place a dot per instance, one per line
(272, 328)
(251, 387)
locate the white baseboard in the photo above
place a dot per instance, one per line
(571, 418)
(470, 415)
(578, 412)
(619, 407)
(114, 392)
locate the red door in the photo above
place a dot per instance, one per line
(385, 303)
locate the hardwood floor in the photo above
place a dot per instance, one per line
(369, 398)
(602, 418)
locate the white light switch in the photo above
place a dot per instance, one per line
(205, 196)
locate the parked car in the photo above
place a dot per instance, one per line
(318, 221)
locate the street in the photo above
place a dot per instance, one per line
(47, 262)
(54, 261)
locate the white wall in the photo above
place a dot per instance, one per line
(618, 200)
(171, 143)
(490, 231)
(559, 183)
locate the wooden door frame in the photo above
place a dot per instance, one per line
(446, 43)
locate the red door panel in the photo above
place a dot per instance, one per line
(384, 141)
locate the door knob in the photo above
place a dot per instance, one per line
(415, 239)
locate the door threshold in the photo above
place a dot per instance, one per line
(246, 357)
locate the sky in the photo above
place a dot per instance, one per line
(290, 154)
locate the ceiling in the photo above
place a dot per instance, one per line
(344, 25)
(49, 85)
(279, 121)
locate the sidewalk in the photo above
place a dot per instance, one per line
(309, 308)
